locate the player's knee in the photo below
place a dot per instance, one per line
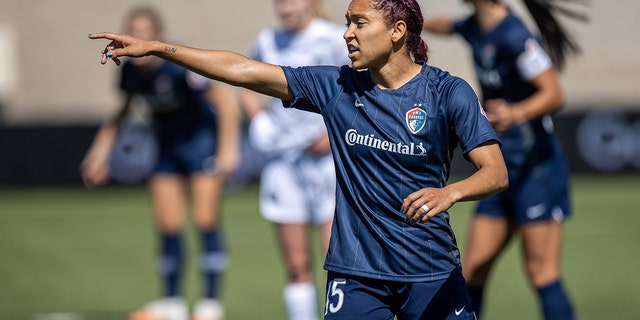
(205, 222)
(541, 272)
(169, 227)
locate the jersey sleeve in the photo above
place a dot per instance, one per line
(467, 117)
(532, 59)
(313, 87)
(464, 27)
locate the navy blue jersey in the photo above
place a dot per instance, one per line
(175, 96)
(386, 145)
(506, 59)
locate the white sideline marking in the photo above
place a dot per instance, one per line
(57, 316)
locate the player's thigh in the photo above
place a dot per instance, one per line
(543, 194)
(356, 298)
(487, 237)
(167, 193)
(438, 300)
(349, 297)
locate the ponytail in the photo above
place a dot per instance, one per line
(419, 51)
(555, 38)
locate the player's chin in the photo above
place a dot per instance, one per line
(358, 64)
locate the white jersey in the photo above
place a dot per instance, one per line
(296, 187)
(286, 133)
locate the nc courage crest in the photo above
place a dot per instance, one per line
(416, 118)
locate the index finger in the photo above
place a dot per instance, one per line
(116, 40)
(105, 35)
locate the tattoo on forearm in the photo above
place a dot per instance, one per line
(170, 49)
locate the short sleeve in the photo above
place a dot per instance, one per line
(313, 87)
(464, 27)
(467, 117)
(531, 59)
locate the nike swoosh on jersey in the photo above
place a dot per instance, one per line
(458, 312)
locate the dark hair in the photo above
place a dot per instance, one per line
(555, 37)
(409, 12)
(147, 12)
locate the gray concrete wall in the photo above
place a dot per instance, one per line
(49, 70)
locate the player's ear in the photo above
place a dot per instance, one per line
(398, 31)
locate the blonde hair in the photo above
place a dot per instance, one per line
(321, 9)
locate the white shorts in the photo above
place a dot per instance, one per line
(299, 192)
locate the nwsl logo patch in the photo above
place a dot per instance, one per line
(416, 118)
(482, 109)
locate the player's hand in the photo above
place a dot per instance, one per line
(94, 173)
(226, 163)
(121, 45)
(500, 114)
(426, 203)
(320, 146)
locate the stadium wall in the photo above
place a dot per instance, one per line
(603, 140)
(54, 78)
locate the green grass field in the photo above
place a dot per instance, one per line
(67, 253)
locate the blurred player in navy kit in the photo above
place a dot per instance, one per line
(392, 250)
(198, 149)
(521, 91)
(298, 183)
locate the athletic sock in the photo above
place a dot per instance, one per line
(555, 302)
(213, 262)
(476, 293)
(300, 301)
(170, 263)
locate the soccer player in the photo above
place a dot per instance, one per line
(392, 251)
(298, 183)
(520, 91)
(198, 148)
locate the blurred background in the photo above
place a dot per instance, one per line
(54, 93)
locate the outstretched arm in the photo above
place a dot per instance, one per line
(225, 66)
(441, 25)
(227, 110)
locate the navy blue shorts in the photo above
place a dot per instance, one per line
(540, 195)
(188, 154)
(357, 298)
